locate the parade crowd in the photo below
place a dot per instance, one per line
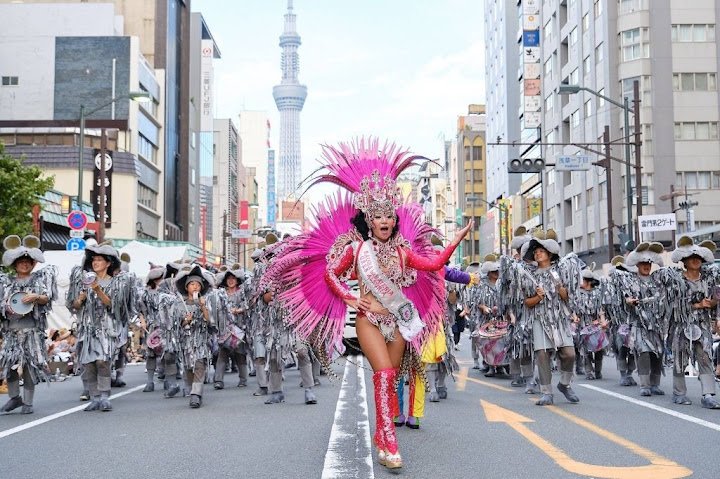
(529, 314)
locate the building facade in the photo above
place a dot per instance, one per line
(254, 127)
(469, 168)
(58, 57)
(503, 95)
(228, 189)
(669, 47)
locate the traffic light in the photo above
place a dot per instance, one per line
(526, 165)
(686, 205)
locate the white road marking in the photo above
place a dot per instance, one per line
(344, 433)
(670, 412)
(57, 415)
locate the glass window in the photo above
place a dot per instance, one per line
(699, 33)
(713, 130)
(687, 82)
(678, 178)
(685, 33)
(598, 8)
(601, 100)
(716, 179)
(575, 118)
(688, 131)
(573, 37)
(702, 131)
(703, 180)
(712, 82)
(586, 65)
(701, 81)
(676, 82)
(599, 52)
(575, 77)
(586, 22)
(691, 180)
(588, 108)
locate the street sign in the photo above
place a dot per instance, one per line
(573, 163)
(77, 220)
(77, 233)
(75, 244)
(664, 222)
(238, 233)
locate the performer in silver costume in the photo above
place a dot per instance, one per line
(25, 299)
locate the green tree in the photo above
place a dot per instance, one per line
(20, 188)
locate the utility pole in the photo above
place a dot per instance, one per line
(102, 195)
(224, 236)
(608, 184)
(638, 166)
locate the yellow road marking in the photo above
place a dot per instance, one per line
(485, 383)
(659, 468)
(462, 379)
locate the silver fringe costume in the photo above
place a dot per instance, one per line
(520, 337)
(437, 373)
(156, 308)
(195, 338)
(648, 320)
(684, 322)
(23, 354)
(235, 300)
(613, 300)
(99, 328)
(551, 318)
(587, 306)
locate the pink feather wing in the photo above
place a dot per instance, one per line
(299, 274)
(428, 291)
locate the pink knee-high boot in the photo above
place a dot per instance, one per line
(386, 407)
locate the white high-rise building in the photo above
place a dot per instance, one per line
(253, 127)
(289, 98)
(670, 47)
(503, 95)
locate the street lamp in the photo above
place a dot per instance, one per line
(140, 96)
(565, 89)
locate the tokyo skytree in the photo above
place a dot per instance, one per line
(289, 97)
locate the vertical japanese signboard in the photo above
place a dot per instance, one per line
(95, 195)
(532, 93)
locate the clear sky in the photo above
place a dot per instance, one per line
(398, 69)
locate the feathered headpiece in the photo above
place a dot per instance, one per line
(646, 253)
(686, 248)
(369, 172)
(15, 248)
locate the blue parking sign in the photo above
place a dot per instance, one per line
(75, 244)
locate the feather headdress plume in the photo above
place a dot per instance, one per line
(367, 170)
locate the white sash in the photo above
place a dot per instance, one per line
(387, 293)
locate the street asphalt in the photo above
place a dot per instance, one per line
(484, 429)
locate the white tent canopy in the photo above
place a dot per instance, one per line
(141, 255)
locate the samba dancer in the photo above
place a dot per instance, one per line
(546, 305)
(434, 348)
(487, 303)
(619, 276)
(512, 304)
(694, 314)
(647, 305)
(591, 324)
(101, 300)
(26, 299)
(196, 311)
(233, 330)
(387, 246)
(161, 330)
